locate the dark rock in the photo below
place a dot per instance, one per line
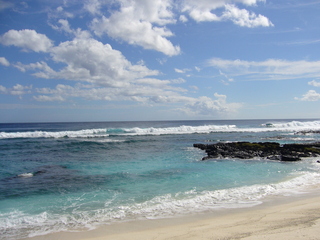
(267, 150)
(290, 158)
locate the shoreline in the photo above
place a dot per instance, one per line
(293, 217)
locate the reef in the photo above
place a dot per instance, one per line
(264, 150)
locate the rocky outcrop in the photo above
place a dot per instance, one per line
(266, 150)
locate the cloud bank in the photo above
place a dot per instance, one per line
(271, 69)
(97, 71)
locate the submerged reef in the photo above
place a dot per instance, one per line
(265, 150)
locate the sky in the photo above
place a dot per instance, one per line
(143, 60)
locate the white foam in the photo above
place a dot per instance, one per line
(26, 175)
(234, 197)
(297, 125)
(87, 133)
(179, 130)
(292, 126)
(168, 205)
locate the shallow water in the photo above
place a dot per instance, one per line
(70, 176)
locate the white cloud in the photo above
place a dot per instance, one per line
(93, 6)
(183, 18)
(226, 79)
(64, 26)
(3, 89)
(4, 61)
(134, 92)
(27, 39)
(89, 60)
(178, 81)
(20, 90)
(204, 15)
(92, 61)
(314, 83)
(207, 106)
(61, 12)
(16, 90)
(144, 23)
(45, 73)
(244, 18)
(271, 69)
(148, 91)
(182, 70)
(311, 95)
(45, 98)
(202, 10)
(5, 4)
(141, 23)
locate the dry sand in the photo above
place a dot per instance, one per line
(276, 219)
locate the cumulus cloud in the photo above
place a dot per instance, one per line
(183, 18)
(140, 92)
(207, 106)
(89, 60)
(3, 89)
(145, 23)
(27, 39)
(100, 72)
(92, 61)
(93, 6)
(244, 18)
(63, 26)
(103, 73)
(140, 23)
(45, 98)
(152, 92)
(4, 61)
(203, 10)
(18, 89)
(314, 83)
(271, 69)
(311, 95)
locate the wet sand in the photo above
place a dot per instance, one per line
(284, 218)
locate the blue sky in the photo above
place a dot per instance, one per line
(117, 60)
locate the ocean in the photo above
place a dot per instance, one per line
(79, 176)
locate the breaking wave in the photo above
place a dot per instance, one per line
(292, 126)
(168, 205)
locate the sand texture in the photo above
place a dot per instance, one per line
(299, 219)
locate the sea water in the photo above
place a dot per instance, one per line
(77, 176)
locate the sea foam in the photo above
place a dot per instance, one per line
(291, 126)
(168, 205)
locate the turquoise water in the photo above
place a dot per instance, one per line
(71, 176)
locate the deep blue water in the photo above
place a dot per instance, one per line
(71, 176)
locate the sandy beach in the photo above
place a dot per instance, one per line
(297, 218)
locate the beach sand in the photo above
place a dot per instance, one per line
(292, 218)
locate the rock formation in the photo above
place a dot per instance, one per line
(266, 150)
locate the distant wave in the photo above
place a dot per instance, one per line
(26, 175)
(100, 133)
(63, 134)
(179, 130)
(136, 131)
(293, 125)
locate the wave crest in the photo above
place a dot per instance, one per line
(137, 131)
